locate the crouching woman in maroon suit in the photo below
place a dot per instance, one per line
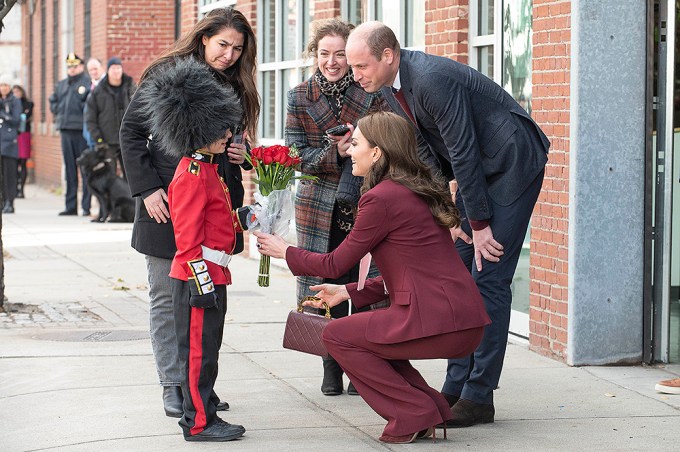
(436, 310)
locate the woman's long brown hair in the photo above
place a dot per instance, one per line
(242, 75)
(400, 163)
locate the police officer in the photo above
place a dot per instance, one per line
(67, 103)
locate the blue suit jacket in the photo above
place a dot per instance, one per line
(475, 129)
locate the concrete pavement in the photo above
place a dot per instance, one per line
(77, 373)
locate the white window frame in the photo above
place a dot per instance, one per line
(204, 8)
(494, 40)
(278, 66)
(399, 28)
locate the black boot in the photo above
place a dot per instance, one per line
(8, 207)
(172, 401)
(332, 377)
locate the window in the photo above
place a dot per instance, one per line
(517, 41)
(406, 19)
(208, 5)
(87, 39)
(282, 37)
(483, 37)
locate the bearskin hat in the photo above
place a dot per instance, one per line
(186, 107)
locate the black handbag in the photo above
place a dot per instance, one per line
(303, 330)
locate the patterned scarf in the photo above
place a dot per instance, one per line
(335, 91)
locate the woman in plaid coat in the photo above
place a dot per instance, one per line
(329, 98)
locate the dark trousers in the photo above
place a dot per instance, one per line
(22, 174)
(199, 336)
(385, 378)
(9, 179)
(475, 377)
(72, 145)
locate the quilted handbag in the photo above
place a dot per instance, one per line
(303, 330)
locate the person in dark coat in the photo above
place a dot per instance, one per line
(24, 139)
(322, 218)
(226, 42)
(106, 106)
(497, 154)
(10, 117)
(435, 308)
(67, 103)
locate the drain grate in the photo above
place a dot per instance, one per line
(94, 336)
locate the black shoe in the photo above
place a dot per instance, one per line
(8, 209)
(222, 406)
(172, 401)
(20, 195)
(332, 377)
(467, 413)
(351, 390)
(86, 213)
(218, 431)
(68, 213)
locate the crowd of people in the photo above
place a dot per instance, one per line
(442, 263)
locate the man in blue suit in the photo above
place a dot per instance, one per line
(477, 134)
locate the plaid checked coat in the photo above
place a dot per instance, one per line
(309, 116)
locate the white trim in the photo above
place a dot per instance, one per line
(519, 323)
(204, 9)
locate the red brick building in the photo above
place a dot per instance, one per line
(548, 54)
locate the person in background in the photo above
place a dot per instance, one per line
(323, 218)
(24, 139)
(96, 72)
(226, 42)
(10, 118)
(477, 134)
(106, 106)
(435, 311)
(67, 103)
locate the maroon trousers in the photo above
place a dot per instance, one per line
(385, 378)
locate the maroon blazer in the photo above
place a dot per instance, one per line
(430, 290)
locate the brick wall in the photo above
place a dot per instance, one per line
(189, 15)
(326, 9)
(446, 28)
(549, 233)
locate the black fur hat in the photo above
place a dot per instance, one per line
(186, 106)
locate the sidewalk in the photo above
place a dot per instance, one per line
(77, 373)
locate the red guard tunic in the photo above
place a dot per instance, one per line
(200, 209)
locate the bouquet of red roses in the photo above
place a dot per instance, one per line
(275, 167)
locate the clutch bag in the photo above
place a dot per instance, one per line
(304, 329)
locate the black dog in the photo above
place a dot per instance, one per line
(112, 191)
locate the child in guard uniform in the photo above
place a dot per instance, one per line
(191, 115)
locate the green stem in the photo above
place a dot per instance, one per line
(263, 277)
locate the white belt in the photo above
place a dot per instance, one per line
(217, 257)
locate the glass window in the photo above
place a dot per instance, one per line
(484, 41)
(485, 60)
(517, 41)
(208, 5)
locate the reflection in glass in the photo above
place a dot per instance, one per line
(289, 26)
(268, 91)
(415, 23)
(485, 17)
(268, 31)
(517, 39)
(485, 60)
(290, 78)
(354, 11)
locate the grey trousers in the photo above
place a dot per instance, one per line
(162, 321)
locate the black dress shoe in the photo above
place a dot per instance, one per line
(86, 213)
(351, 390)
(172, 401)
(218, 431)
(467, 413)
(68, 213)
(332, 377)
(222, 406)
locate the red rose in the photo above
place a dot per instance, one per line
(280, 154)
(267, 157)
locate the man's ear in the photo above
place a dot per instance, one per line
(388, 56)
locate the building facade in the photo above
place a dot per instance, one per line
(598, 278)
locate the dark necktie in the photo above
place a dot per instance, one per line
(399, 95)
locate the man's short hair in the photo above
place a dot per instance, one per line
(380, 39)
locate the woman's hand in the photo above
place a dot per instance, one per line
(331, 294)
(271, 245)
(343, 142)
(236, 152)
(156, 206)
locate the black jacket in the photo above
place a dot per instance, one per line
(148, 168)
(105, 109)
(68, 100)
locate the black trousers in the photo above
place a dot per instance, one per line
(72, 145)
(9, 179)
(199, 336)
